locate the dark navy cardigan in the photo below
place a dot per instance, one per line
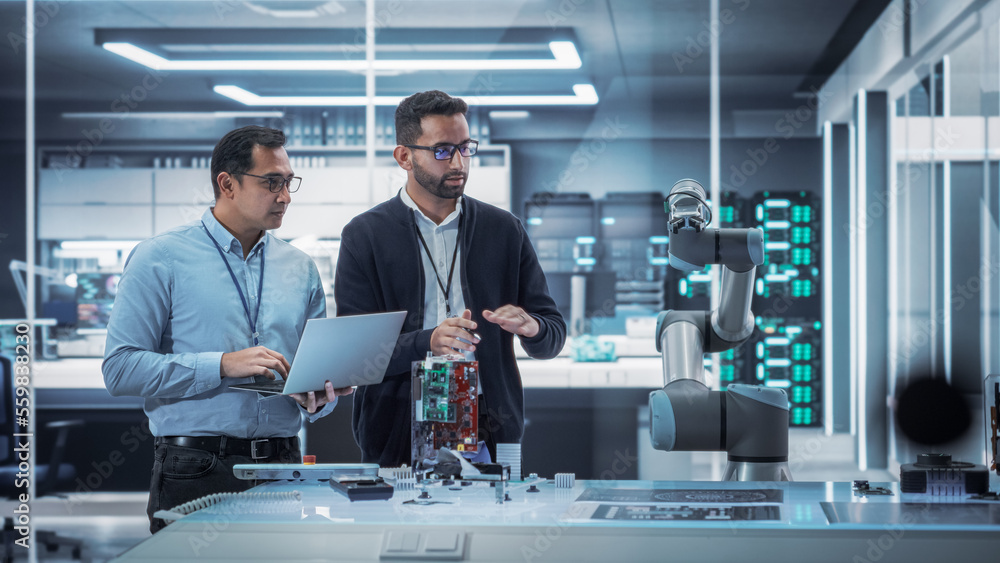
(380, 269)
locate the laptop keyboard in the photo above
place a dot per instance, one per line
(275, 386)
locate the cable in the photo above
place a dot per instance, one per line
(249, 501)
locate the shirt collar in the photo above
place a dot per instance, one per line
(226, 240)
(413, 205)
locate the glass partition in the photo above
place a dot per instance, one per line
(944, 236)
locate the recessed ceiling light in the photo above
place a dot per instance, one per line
(510, 114)
(325, 9)
(583, 94)
(564, 57)
(171, 114)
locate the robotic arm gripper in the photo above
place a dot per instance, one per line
(749, 422)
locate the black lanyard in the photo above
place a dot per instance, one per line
(260, 287)
(451, 270)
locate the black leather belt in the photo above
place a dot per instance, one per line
(255, 449)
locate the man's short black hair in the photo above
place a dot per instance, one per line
(234, 153)
(411, 110)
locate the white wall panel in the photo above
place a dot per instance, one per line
(98, 222)
(94, 185)
(183, 186)
(320, 220)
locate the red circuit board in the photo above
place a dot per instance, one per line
(445, 407)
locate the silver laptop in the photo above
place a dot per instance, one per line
(348, 351)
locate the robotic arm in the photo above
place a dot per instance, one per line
(749, 422)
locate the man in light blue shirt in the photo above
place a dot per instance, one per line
(210, 304)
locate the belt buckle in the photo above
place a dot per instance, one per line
(253, 449)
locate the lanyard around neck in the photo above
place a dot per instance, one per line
(451, 271)
(260, 287)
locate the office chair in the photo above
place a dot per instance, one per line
(47, 476)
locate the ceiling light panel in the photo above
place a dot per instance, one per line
(583, 95)
(564, 57)
(173, 115)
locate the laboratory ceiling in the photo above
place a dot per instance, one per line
(650, 52)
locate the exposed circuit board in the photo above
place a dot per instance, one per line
(445, 407)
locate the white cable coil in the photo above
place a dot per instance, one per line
(249, 502)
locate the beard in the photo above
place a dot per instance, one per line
(437, 185)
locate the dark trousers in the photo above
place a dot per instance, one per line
(183, 474)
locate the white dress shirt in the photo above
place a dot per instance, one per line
(441, 240)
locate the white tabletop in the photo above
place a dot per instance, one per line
(559, 373)
(594, 521)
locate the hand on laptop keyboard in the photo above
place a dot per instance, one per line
(252, 362)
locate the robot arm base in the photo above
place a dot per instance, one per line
(772, 471)
(750, 423)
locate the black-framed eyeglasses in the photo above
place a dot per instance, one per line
(446, 152)
(275, 183)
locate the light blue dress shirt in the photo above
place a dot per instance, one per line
(177, 311)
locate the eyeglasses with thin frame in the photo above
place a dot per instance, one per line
(276, 183)
(446, 152)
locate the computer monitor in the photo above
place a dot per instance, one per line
(95, 295)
